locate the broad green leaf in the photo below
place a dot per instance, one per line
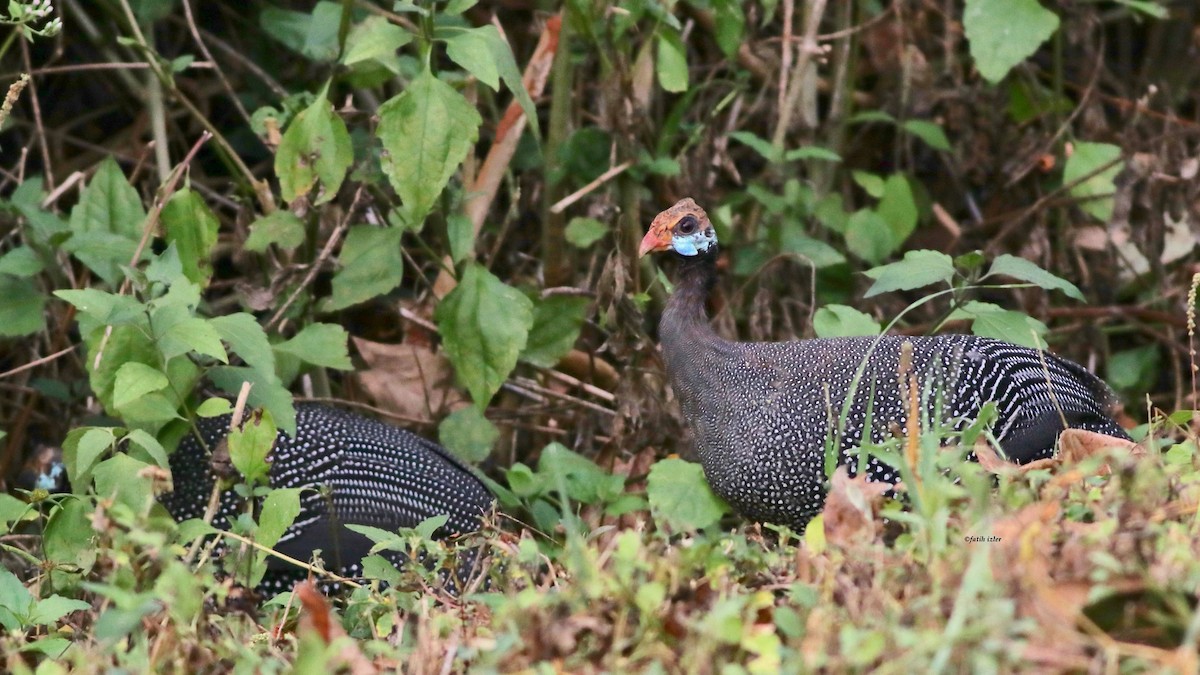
(378, 567)
(1136, 370)
(106, 222)
(279, 511)
(315, 146)
(16, 603)
(484, 325)
(214, 407)
(1095, 193)
(556, 324)
(104, 308)
(793, 240)
(760, 145)
(265, 392)
(281, 228)
(376, 39)
(135, 380)
(989, 320)
(930, 132)
(84, 447)
(583, 232)
(371, 265)
(680, 495)
(312, 34)
(192, 227)
(811, 152)
(27, 199)
(468, 434)
(485, 54)
(68, 540)
(1024, 270)
(869, 236)
(898, 208)
(22, 262)
(426, 132)
(321, 344)
(671, 64)
(1003, 33)
(247, 339)
(12, 509)
(122, 477)
(730, 23)
(917, 269)
(250, 445)
(150, 446)
(21, 310)
(843, 321)
(871, 183)
(191, 334)
(580, 477)
(50, 610)
(461, 234)
(523, 481)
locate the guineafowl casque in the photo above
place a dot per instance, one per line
(362, 472)
(761, 412)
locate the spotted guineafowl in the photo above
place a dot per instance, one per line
(362, 472)
(761, 412)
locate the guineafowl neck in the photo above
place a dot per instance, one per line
(685, 319)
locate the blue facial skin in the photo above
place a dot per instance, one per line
(695, 243)
(50, 481)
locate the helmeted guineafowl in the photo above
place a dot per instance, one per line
(761, 412)
(362, 472)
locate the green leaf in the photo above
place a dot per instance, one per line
(69, 540)
(426, 132)
(580, 477)
(106, 222)
(265, 392)
(190, 334)
(869, 182)
(150, 446)
(996, 322)
(12, 509)
(192, 227)
(930, 132)
(523, 481)
(315, 34)
(279, 511)
(583, 232)
(371, 264)
(898, 208)
(22, 262)
(484, 325)
(468, 434)
(760, 145)
(104, 308)
(83, 448)
(1003, 34)
(250, 445)
(376, 39)
(556, 324)
(680, 496)
(378, 567)
(671, 64)
(282, 228)
(461, 234)
(50, 610)
(730, 23)
(869, 236)
(1095, 193)
(917, 269)
(811, 152)
(843, 321)
(315, 146)
(16, 603)
(321, 344)
(485, 54)
(21, 311)
(214, 407)
(135, 380)
(1024, 270)
(247, 339)
(1136, 369)
(121, 477)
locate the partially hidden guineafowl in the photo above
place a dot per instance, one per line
(360, 471)
(761, 413)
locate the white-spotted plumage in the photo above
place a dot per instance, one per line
(763, 413)
(357, 471)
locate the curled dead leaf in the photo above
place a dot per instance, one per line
(411, 381)
(850, 508)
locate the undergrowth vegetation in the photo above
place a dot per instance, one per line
(430, 211)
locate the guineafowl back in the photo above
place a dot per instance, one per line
(359, 471)
(762, 413)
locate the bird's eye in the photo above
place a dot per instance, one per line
(687, 225)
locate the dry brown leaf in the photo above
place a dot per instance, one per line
(411, 381)
(315, 616)
(849, 512)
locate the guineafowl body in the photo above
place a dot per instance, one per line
(761, 413)
(360, 471)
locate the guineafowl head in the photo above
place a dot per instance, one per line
(683, 228)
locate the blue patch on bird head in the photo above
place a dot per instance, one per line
(51, 480)
(695, 243)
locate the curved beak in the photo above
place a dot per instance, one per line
(657, 239)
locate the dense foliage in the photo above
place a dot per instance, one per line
(432, 210)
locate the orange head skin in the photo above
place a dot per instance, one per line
(674, 230)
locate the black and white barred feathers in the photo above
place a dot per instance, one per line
(362, 472)
(761, 414)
